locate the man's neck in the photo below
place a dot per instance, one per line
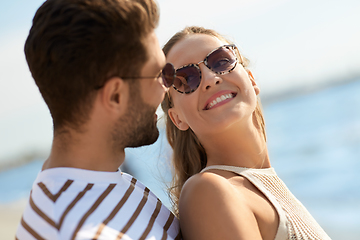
(88, 150)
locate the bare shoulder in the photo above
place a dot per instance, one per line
(212, 208)
(206, 184)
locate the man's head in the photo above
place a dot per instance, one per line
(137, 127)
(75, 46)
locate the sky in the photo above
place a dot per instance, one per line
(291, 44)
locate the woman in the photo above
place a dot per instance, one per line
(216, 129)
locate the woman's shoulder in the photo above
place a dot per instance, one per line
(206, 181)
(211, 187)
(211, 199)
(213, 182)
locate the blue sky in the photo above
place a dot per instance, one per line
(290, 43)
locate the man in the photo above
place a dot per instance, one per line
(97, 65)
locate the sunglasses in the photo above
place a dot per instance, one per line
(167, 75)
(186, 79)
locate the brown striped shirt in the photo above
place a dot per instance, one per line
(69, 203)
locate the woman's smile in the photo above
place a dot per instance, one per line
(219, 99)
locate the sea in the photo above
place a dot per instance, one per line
(314, 146)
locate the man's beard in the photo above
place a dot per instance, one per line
(138, 126)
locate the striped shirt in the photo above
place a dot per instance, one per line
(69, 203)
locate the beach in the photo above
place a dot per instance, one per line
(10, 216)
(314, 145)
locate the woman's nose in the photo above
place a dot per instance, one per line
(209, 78)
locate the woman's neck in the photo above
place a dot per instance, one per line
(243, 147)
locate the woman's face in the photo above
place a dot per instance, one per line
(201, 110)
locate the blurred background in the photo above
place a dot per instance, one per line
(305, 55)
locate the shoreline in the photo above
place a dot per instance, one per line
(27, 156)
(21, 159)
(306, 90)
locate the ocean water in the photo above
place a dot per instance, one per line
(314, 146)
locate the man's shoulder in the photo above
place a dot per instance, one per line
(68, 207)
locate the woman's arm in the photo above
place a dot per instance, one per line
(211, 208)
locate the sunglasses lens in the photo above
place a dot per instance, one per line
(168, 75)
(187, 79)
(222, 60)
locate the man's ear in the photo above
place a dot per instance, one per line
(175, 118)
(252, 79)
(115, 94)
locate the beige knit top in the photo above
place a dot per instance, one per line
(295, 222)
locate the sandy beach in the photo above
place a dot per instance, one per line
(10, 215)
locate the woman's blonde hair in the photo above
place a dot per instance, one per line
(189, 156)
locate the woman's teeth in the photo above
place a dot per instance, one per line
(219, 100)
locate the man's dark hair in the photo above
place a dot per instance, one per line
(74, 46)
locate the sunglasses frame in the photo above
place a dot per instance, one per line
(161, 74)
(232, 47)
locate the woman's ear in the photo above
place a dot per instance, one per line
(252, 79)
(175, 118)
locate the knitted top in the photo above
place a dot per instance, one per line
(295, 222)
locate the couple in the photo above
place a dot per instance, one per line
(100, 70)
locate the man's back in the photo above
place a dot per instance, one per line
(96, 64)
(69, 203)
